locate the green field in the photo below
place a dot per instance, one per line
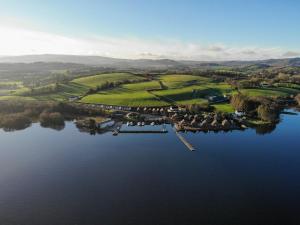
(97, 80)
(125, 98)
(162, 90)
(180, 90)
(179, 81)
(79, 86)
(128, 95)
(224, 107)
(270, 92)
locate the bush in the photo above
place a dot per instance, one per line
(268, 113)
(197, 108)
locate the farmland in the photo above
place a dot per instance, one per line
(177, 89)
(138, 90)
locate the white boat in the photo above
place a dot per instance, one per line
(139, 123)
(128, 124)
(152, 124)
(143, 123)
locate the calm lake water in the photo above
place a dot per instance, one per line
(50, 177)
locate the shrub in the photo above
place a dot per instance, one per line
(268, 113)
(197, 108)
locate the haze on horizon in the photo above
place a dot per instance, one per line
(189, 30)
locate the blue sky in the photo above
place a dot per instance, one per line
(254, 25)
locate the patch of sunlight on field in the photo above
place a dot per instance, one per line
(16, 98)
(199, 101)
(96, 80)
(143, 86)
(195, 93)
(139, 98)
(270, 92)
(179, 80)
(128, 95)
(224, 107)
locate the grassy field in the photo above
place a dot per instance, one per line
(78, 87)
(188, 89)
(128, 95)
(270, 92)
(181, 89)
(175, 89)
(180, 81)
(65, 91)
(97, 80)
(224, 107)
(16, 98)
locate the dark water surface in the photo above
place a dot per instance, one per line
(50, 177)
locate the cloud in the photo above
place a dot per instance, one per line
(215, 48)
(291, 54)
(20, 41)
(249, 52)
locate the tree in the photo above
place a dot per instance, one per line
(283, 77)
(243, 103)
(297, 98)
(268, 113)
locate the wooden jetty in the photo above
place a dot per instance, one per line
(162, 131)
(185, 142)
(142, 131)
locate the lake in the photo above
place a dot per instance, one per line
(50, 177)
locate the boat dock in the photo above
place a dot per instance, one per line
(185, 142)
(142, 131)
(118, 130)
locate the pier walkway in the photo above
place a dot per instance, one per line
(185, 142)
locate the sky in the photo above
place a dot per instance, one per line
(191, 29)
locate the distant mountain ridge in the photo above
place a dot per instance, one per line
(143, 63)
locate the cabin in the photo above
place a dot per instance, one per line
(73, 98)
(173, 109)
(239, 113)
(265, 85)
(118, 114)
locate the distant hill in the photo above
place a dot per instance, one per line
(100, 61)
(92, 61)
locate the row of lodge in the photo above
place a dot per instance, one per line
(205, 121)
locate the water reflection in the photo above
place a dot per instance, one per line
(22, 124)
(54, 126)
(233, 177)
